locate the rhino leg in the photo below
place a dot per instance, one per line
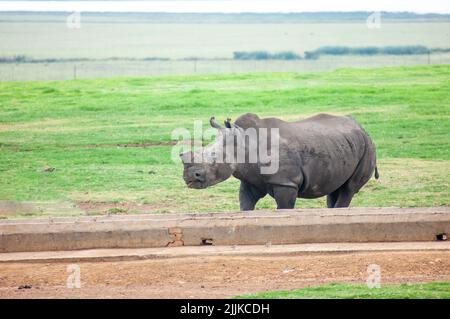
(332, 198)
(360, 177)
(345, 196)
(285, 196)
(249, 196)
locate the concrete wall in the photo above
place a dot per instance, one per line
(249, 228)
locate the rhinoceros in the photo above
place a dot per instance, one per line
(323, 155)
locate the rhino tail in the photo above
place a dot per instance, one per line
(376, 173)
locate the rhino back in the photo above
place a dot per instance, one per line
(317, 154)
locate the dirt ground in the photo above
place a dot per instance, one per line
(216, 276)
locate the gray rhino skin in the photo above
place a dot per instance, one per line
(321, 155)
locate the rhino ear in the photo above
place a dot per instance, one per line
(187, 157)
(211, 158)
(227, 123)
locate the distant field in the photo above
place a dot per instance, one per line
(107, 139)
(104, 36)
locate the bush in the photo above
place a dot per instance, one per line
(333, 50)
(264, 55)
(366, 51)
(286, 55)
(440, 50)
(405, 50)
(14, 59)
(389, 50)
(311, 55)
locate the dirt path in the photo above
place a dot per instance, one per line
(217, 276)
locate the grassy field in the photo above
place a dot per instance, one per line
(434, 290)
(82, 129)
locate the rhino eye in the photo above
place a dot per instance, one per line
(212, 159)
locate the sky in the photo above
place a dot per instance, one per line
(231, 6)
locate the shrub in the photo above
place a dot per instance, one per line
(285, 55)
(389, 50)
(405, 50)
(311, 55)
(14, 59)
(264, 55)
(333, 50)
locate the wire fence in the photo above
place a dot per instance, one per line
(117, 68)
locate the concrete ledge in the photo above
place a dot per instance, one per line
(241, 228)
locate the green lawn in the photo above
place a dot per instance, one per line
(80, 128)
(434, 290)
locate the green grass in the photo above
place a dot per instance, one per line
(75, 127)
(434, 290)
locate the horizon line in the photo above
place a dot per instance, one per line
(226, 6)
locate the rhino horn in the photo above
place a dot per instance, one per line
(214, 124)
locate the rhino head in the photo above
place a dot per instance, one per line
(209, 166)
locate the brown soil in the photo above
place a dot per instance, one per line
(217, 277)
